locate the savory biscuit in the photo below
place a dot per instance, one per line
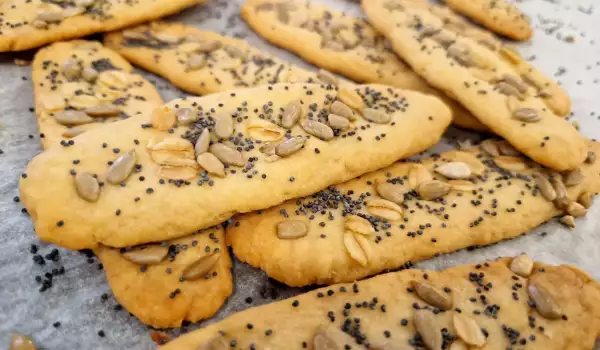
(202, 62)
(26, 24)
(164, 284)
(499, 16)
(80, 85)
(343, 44)
(497, 93)
(195, 162)
(405, 213)
(496, 305)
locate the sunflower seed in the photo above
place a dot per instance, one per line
(131, 34)
(87, 187)
(105, 110)
(341, 109)
(432, 295)
(433, 189)
(514, 82)
(559, 187)
(327, 78)
(585, 199)
(350, 98)
(444, 38)
(568, 221)
(292, 112)
(268, 149)
(196, 61)
(72, 132)
(120, 170)
(50, 16)
(39, 24)
(545, 93)
(186, 116)
(591, 157)
(19, 341)
(84, 3)
(163, 118)
(211, 164)
(216, 343)
(385, 209)
(72, 118)
(223, 126)
(467, 329)
(461, 185)
(338, 122)
(490, 147)
(545, 187)
(167, 38)
(174, 151)
(227, 155)
(292, 229)
(489, 43)
(236, 52)
(113, 79)
(71, 69)
(428, 31)
(392, 192)
(375, 116)
(357, 247)
(290, 146)
(508, 90)
(172, 172)
(202, 142)
(454, 170)
(72, 11)
(575, 209)
(424, 321)
(317, 129)
(522, 265)
(461, 54)
(357, 224)
(151, 254)
(573, 178)
(544, 302)
(510, 163)
(84, 101)
(208, 45)
(527, 115)
(418, 174)
(506, 149)
(201, 267)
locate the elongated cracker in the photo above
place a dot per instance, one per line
(485, 82)
(75, 77)
(26, 24)
(158, 293)
(499, 16)
(152, 188)
(491, 308)
(494, 203)
(340, 43)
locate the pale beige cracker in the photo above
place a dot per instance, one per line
(488, 309)
(77, 75)
(489, 205)
(156, 294)
(343, 44)
(27, 24)
(168, 195)
(490, 87)
(499, 16)
(167, 49)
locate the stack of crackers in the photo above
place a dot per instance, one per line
(304, 174)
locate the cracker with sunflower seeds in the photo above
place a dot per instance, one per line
(493, 305)
(81, 85)
(409, 212)
(487, 83)
(499, 16)
(164, 284)
(197, 161)
(27, 24)
(202, 62)
(340, 43)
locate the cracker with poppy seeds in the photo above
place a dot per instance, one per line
(27, 24)
(407, 212)
(495, 305)
(340, 43)
(197, 161)
(499, 16)
(80, 85)
(492, 88)
(164, 284)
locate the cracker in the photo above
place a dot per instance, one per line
(490, 307)
(488, 84)
(70, 78)
(153, 188)
(152, 288)
(340, 43)
(385, 213)
(499, 16)
(26, 24)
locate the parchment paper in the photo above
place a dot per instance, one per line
(75, 299)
